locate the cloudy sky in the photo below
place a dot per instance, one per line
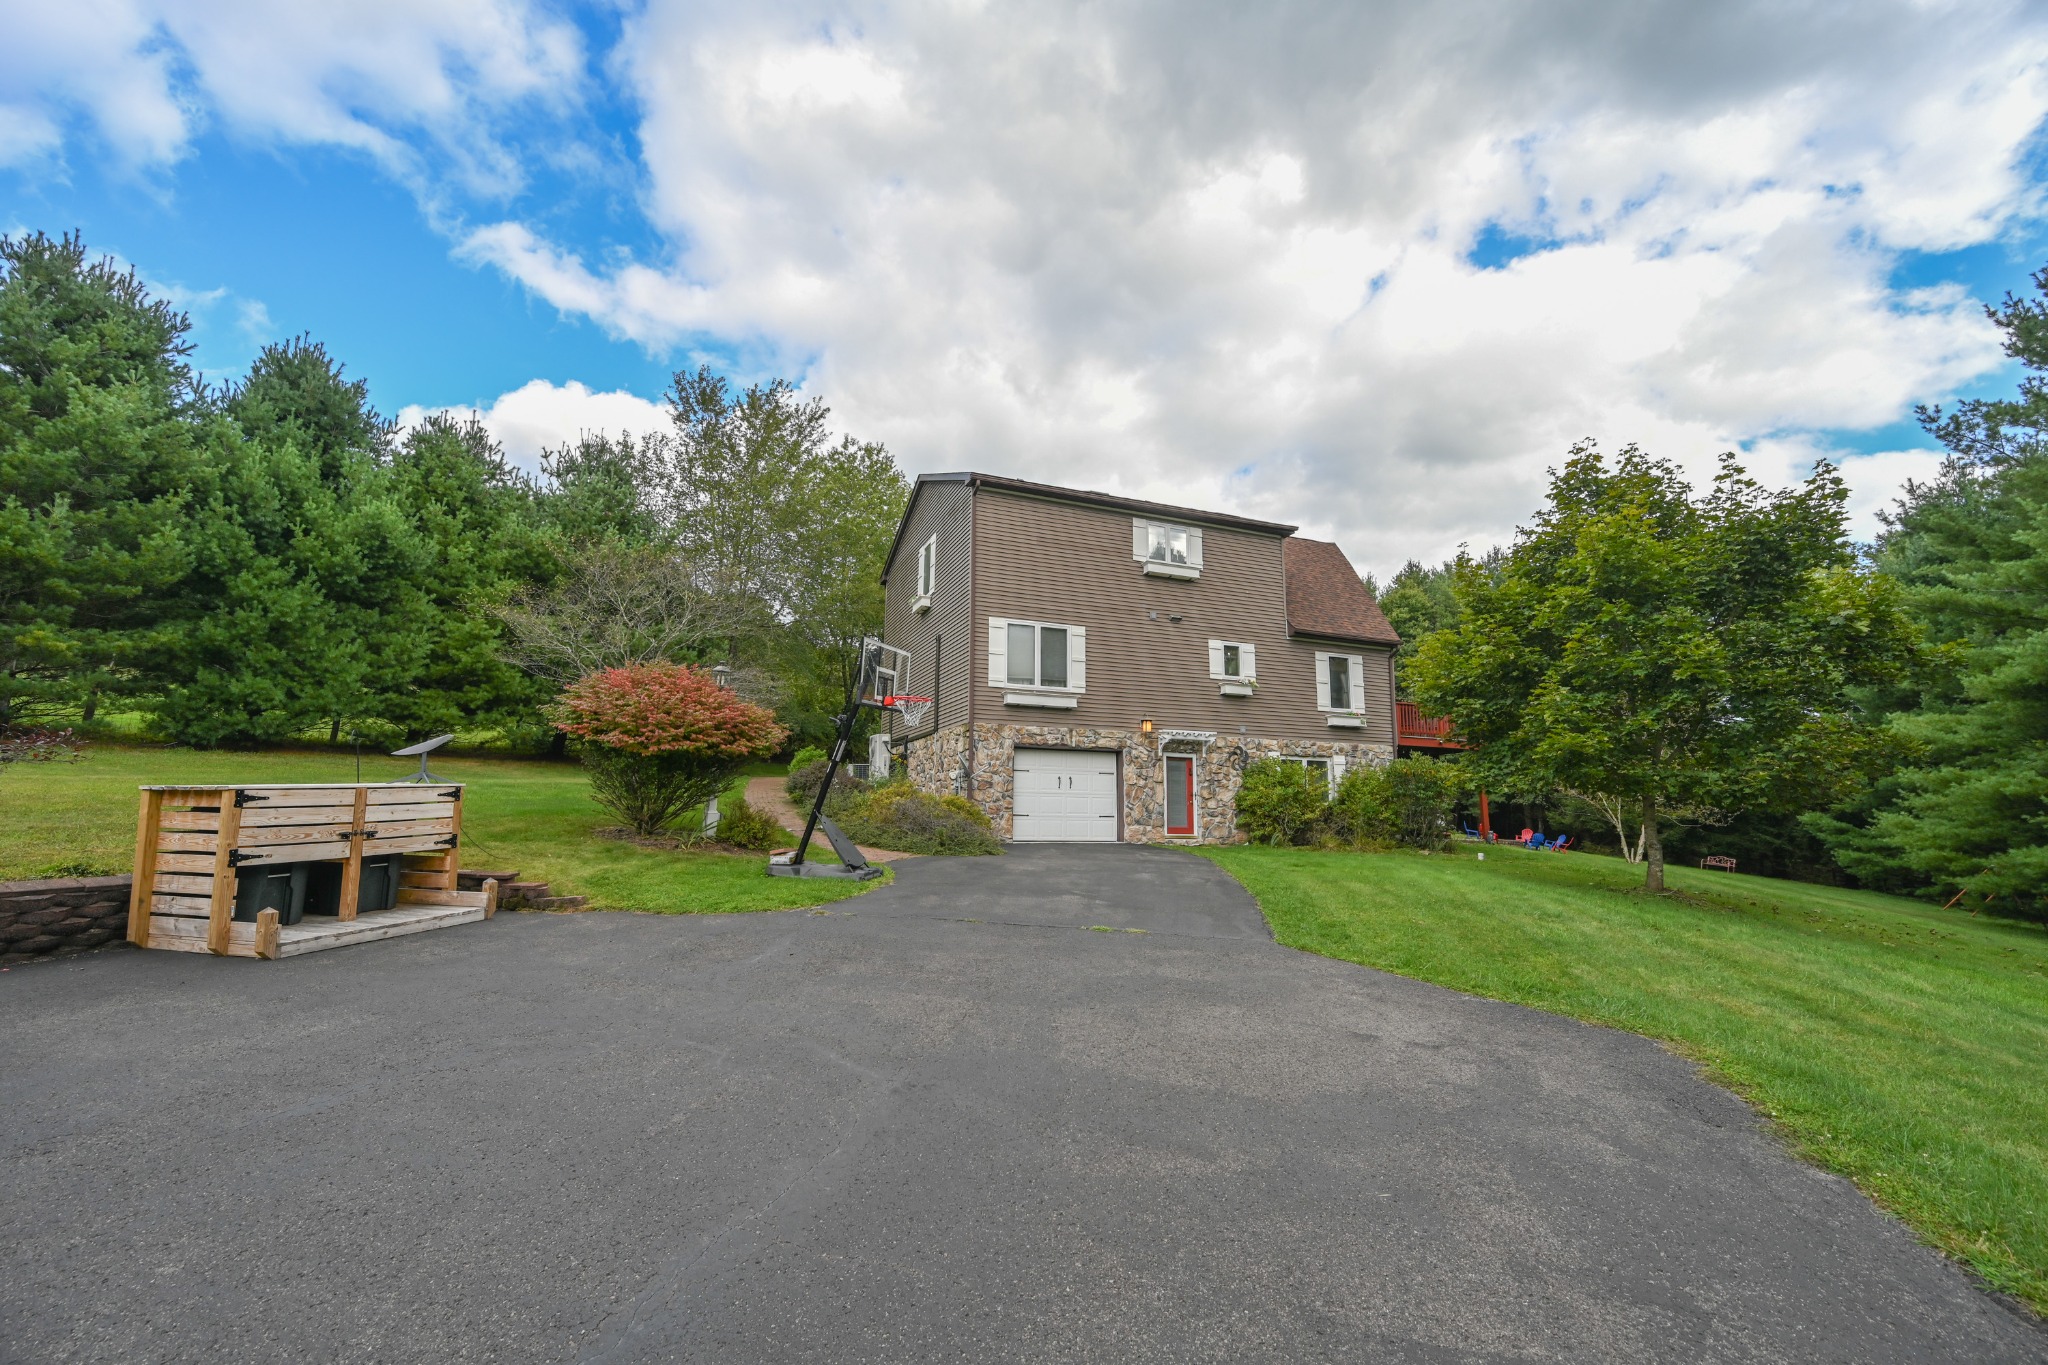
(1366, 267)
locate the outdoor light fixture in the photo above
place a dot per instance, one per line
(1144, 727)
(722, 675)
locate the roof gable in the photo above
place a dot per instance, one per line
(1326, 597)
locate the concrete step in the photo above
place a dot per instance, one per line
(522, 890)
(560, 902)
(470, 880)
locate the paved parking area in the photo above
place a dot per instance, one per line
(950, 1120)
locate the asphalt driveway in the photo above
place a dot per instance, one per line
(950, 1120)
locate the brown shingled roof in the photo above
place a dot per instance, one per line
(1326, 597)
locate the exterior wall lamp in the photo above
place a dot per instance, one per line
(1144, 727)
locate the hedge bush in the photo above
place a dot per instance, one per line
(900, 817)
(1411, 802)
(806, 756)
(802, 784)
(1281, 803)
(740, 825)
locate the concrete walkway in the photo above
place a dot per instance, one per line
(971, 1116)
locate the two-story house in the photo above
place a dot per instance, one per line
(1102, 669)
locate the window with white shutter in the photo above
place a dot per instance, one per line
(1233, 661)
(1037, 654)
(1167, 550)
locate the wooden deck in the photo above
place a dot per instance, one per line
(316, 932)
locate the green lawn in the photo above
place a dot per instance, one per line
(1897, 1044)
(528, 815)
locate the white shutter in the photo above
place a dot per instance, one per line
(1247, 662)
(1077, 658)
(998, 652)
(1336, 770)
(1141, 542)
(1323, 681)
(1358, 683)
(1194, 548)
(1216, 659)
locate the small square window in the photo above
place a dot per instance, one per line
(1169, 544)
(927, 556)
(1233, 661)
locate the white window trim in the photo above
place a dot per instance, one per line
(1141, 548)
(927, 573)
(1333, 765)
(1247, 661)
(1357, 669)
(1194, 834)
(1077, 661)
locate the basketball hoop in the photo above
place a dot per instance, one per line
(912, 709)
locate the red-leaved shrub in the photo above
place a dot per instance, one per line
(658, 739)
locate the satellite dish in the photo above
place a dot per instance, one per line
(423, 748)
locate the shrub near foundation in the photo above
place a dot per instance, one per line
(1281, 803)
(900, 817)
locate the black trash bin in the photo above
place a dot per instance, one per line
(378, 889)
(273, 886)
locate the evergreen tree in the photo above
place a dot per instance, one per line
(1971, 551)
(97, 453)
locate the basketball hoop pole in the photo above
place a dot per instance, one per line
(847, 718)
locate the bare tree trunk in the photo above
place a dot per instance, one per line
(1653, 847)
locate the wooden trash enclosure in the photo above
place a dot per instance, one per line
(194, 845)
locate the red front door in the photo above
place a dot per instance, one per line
(1180, 796)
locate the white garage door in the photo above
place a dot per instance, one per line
(1067, 795)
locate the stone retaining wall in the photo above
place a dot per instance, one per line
(62, 915)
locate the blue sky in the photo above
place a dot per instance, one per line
(1244, 262)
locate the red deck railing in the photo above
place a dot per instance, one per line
(1416, 730)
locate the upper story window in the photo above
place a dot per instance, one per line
(1340, 683)
(1340, 688)
(1037, 654)
(927, 572)
(1233, 664)
(1166, 550)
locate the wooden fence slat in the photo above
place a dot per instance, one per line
(186, 862)
(183, 907)
(222, 910)
(352, 871)
(391, 829)
(261, 817)
(183, 884)
(146, 837)
(294, 853)
(410, 793)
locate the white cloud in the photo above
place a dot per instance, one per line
(404, 81)
(541, 416)
(1877, 481)
(1207, 252)
(1217, 255)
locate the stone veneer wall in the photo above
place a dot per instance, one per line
(63, 915)
(975, 762)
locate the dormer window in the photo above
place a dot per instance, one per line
(1165, 550)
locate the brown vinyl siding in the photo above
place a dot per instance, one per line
(947, 630)
(1038, 559)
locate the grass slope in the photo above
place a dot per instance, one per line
(1896, 1044)
(528, 815)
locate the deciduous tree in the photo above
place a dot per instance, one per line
(1667, 651)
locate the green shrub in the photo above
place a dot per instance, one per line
(806, 756)
(1363, 813)
(1426, 792)
(1411, 801)
(1281, 803)
(802, 785)
(740, 825)
(900, 817)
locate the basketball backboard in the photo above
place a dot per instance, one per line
(884, 671)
